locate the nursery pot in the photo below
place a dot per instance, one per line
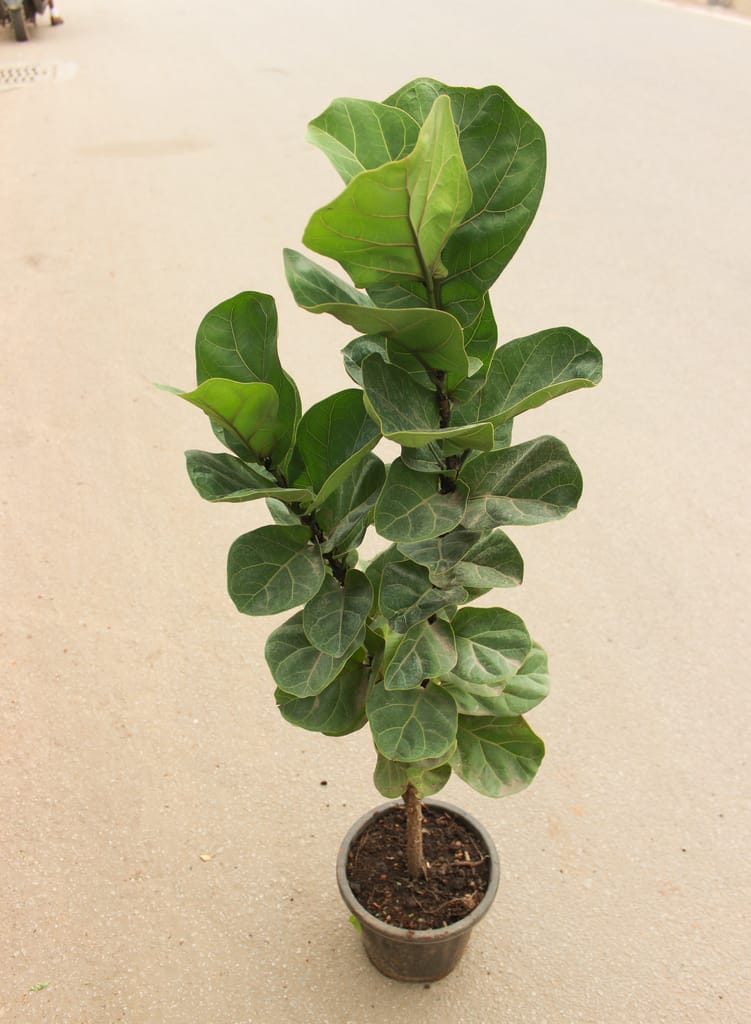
(401, 953)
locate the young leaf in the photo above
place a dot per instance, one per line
(272, 569)
(313, 285)
(411, 506)
(358, 135)
(491, 644)
(336, 615)
(237, 341)
(296, 666)
(496, 756)
(411, 725)
(394, 221)
(223, 477)
(533, 482)
(249, 412)
(426, 651)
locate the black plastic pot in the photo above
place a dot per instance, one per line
(416, 955)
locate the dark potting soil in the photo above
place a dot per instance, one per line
(458, 873)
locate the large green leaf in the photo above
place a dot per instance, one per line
(426, 651)
(237, 341)
(527, 372)
(496, 756)
(504, 151)
(391, 778)
(273, 568)
(469, 559)
(434, 338)
(335, 616)
(313, 285)
(358, 135)
(395, 220)
(412, 507)
(520, 693)
(296, 666)
(408, 413)
(411, 725)
(223, 477)
(491, 644)
(333, 436)
(337, 710)
(248, 412)
(348, 511)
(406, 594)
(529, 483)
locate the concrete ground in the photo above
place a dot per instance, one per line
(167, 842)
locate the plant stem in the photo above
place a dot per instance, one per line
(416, 864)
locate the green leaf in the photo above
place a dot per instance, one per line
(504, 151)
(529, 483)
(469, 559)
(223, 477)
(357, 350)
(335, 616)
(296, 666)
(408, 413)
(496, 756)
(313, 285)
(272, 569)
(395, 220)
(333, 436)
(336, 711)
(411, 506)
(347, 513)
(426, 651)
(527, 372)
(407, 596)
(520, 693)
(237, 341)
(411, 725)
(391, 778)
(249, 412)
(491, 644)
(431, 336)
(358, 135)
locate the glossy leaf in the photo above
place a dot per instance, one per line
(411, 725)
(529, 483)
(237, 340)
(359, 135)
(333, 436)
(297, 667)
(313, 285)
(411, 506)
(527, 372)
(272, 569)
(491, 644)
(248, 412)
(337, 710)
(426, 651)
(518, 695)
(391, 778)
(504, 151)
(469, 559)
(223, 477)
(394, 220)
(406, 594)
(408, 414)
(335, 616)
(496, 756)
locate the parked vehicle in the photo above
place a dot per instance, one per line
(22, 13)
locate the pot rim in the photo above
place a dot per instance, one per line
(425, 934)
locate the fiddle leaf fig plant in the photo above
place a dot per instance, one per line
(441, 184)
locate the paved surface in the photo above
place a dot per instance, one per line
(167, 844)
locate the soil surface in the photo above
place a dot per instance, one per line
(458, 871)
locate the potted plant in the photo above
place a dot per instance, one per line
(441, 185)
